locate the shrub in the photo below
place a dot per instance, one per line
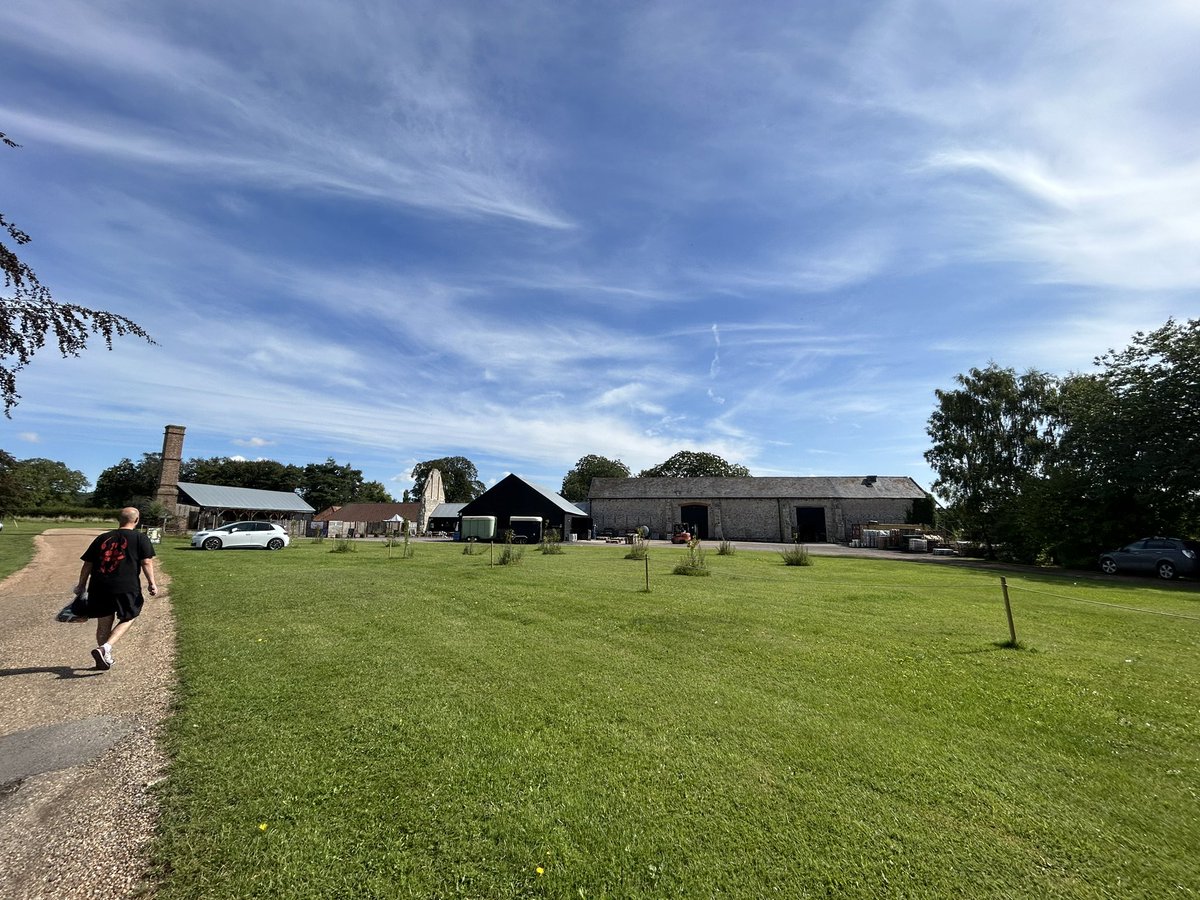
(694, 562)
(638, 550)
(552, 541)
(726, 549)
(344, 545)
(511, 555)
(469, 547)
(405, 544)
(796, 555)
(319, 537)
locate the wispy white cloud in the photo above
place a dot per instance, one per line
(1052, 149)
(422, 242)
(427, 143)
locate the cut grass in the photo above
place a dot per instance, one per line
(442, 728)
(16, 540)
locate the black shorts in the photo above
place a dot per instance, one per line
(100, 603)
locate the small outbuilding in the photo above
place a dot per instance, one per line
(445, 518)
(528, 510)
(211, 505)
(365, 519)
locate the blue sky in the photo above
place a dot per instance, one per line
(528, 231)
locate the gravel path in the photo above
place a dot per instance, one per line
(79, 746)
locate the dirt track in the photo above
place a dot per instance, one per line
(78, 752)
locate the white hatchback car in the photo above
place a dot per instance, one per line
(267, 535)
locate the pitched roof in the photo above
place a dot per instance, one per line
(368, 512)
(446, 510)
(218, 496)
(557, 500)
(856, 487)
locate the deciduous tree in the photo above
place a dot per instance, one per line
(695, 464)
(11, 493)
(262, 474)
(373, 492)
(990, 435)
(330, 484)
(577, 482)
(31, 314)
(460, 479)
(1131, 437)
(45, 482)
(125, 482)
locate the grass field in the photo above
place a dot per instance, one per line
(350, 725)
(16, 540)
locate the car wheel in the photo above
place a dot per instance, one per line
(1165, 569)
(1108, 566)
(275, 544)
(212, 543)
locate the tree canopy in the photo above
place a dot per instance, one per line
(989, 436)
(262, 474)
(47, 482)
(31, 313)
(1131, 431)
(10, 488)
(578, 481)
(126, 482)
(373, 492)
(695, 464)
(460, 479)
(320, 484)
(1060, 469)
(329, 484)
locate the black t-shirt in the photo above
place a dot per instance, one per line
(116, 557)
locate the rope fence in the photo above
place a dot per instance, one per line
(1149, 612)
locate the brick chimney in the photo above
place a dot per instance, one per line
(168, 479)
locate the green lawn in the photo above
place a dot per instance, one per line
(16, 540)
(350, 725)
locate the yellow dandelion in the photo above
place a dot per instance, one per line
(262, 826)
(541, 871)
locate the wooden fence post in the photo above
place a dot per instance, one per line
(1012, 629)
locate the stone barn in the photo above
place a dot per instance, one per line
(811, 510)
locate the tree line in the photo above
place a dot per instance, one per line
(1040, 468)
(32, 486)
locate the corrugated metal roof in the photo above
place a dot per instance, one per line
(857, 487)
(216, 496)
(447, 510)
(557, 499)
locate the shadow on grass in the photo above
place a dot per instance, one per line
(994, 646)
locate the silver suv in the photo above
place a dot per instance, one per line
(1164, 557)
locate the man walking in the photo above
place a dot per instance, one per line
(110, 584)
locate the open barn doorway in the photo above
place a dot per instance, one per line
(695, 517)
(810, 524)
